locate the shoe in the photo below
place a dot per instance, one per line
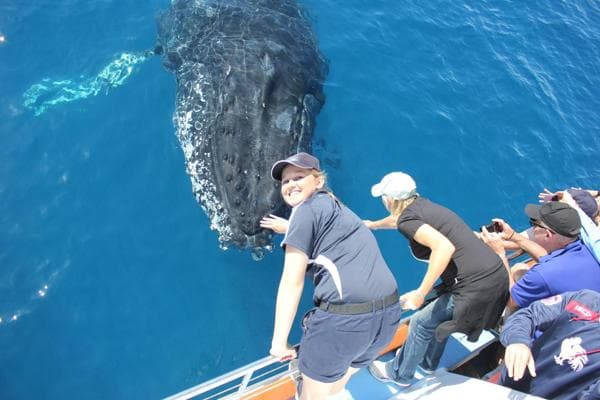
(403, 384)
(382, 371)
(425, 371)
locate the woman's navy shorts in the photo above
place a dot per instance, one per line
(333, 342)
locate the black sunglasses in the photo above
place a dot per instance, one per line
(535, 222)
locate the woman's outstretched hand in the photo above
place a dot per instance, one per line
(275, 223)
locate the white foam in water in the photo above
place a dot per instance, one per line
(48, 93)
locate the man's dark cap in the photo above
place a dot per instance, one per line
(560, 217)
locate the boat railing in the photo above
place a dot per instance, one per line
(235, 384)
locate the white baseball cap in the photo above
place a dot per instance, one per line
(397, 185)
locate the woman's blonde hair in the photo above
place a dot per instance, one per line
(397, 207)
(320, 174)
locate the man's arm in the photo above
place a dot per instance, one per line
(512, 304)
(518, 332)
(529, 288)
(529, 246)
(514, 240)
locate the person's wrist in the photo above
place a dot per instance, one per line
(518, 342)
(278, 344)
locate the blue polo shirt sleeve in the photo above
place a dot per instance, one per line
(300, 233)
(529, 288)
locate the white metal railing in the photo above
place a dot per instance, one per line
(225, 386)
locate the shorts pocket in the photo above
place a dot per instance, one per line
(349, 345)
(354, 324)
(306, 319)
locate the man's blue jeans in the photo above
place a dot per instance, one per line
(421, 347)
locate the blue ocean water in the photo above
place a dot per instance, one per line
(111, 283)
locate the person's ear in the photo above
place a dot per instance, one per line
(320, 182)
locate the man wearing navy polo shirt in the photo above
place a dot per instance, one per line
(564, 262)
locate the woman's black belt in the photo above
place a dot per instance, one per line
(359, 308)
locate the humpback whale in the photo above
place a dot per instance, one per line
(249, 81)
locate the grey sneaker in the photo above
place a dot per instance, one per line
(382, 371)
(425, 371)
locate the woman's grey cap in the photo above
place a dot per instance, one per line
(300, 160)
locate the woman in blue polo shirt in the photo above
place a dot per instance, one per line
(355, 293)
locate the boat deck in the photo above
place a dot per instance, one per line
(440, 385)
